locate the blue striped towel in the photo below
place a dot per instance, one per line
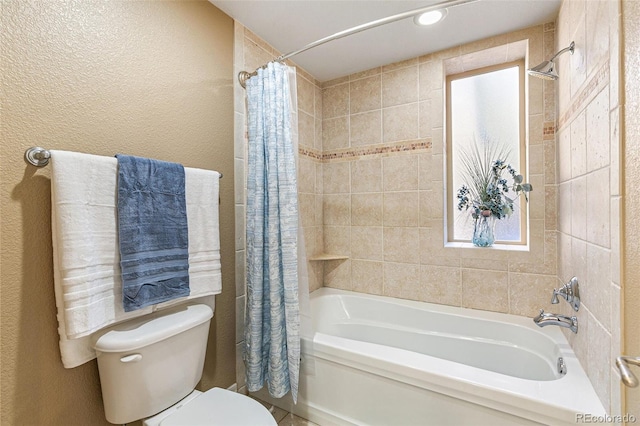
(153, 233)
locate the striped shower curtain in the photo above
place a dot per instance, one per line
(272, 323)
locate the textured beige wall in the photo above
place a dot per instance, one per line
(251, 52)
(631, 137)
(589, 185)
(383, 155)
(147, 78)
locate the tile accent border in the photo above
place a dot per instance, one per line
(347, 154)
(549, 131)
(599, 79)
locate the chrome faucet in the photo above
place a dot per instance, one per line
(569, 292)
(543, 319)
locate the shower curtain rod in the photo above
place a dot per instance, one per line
(243, 76)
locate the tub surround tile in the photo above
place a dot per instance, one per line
(525, 291)
(401, 64)
(428, 209)
(395, 243)
(335, 133)
(365, 94)
(306, 95)
(367, 242)
(565, 207)
(425, 126)
(564, 155)
(550, 163)
(425, 164)
(365, 128)
(578, 146)
(487, 290)
(363, 74)
(335, 82)
(366, 209)
(367, 276)
(597, 292)
(366, 175)
(536, 129)
(400, 86)
(402, 280)
(399, 208)
(536, 95)
(306, 176)
(306, 129)
(597, 136)
(430, 77)
(335, 101)
(336, 178)
(400, 123)
(579, 208)
(337, 274)
(597, 33)
(240, 272)
(337, 240)
(400, 173)
(598, 359)
(337, 209)
(550, 207)
(598, 217)
(493, 265)
(442, 284)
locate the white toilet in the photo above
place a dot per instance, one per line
(150, 366)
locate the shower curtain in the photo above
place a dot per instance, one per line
(272, 320)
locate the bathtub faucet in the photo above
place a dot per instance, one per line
(543, 319)
(569, 292)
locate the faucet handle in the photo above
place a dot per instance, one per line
(569, 292)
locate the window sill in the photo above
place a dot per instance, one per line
(499, 247)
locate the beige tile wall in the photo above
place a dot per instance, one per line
(251, 52)
(383, 185)
(588, 174)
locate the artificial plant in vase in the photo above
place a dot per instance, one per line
(488, 193)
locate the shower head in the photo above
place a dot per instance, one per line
(547, 69)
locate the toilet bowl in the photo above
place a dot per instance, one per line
(215, 407)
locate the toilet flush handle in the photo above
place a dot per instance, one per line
(131, 358)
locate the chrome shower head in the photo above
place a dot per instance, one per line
(547, 69)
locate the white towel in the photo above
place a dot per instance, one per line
(88, 285)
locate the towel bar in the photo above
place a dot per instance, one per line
(39, 157)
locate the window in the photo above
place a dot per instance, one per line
(485, 109)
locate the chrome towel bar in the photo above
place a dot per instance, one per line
(39, 157)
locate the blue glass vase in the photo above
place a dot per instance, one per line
(484, 231)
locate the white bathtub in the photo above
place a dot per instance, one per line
(376, 360)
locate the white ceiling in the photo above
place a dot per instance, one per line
(291, 24)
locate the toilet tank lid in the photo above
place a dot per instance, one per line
(149, 329)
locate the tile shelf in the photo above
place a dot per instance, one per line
(326, 256)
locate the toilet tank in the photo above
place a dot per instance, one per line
(150, 363)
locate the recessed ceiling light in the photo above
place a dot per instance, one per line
(430, 18)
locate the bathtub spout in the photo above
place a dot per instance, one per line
(543, 319)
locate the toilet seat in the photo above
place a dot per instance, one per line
(220, 407)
